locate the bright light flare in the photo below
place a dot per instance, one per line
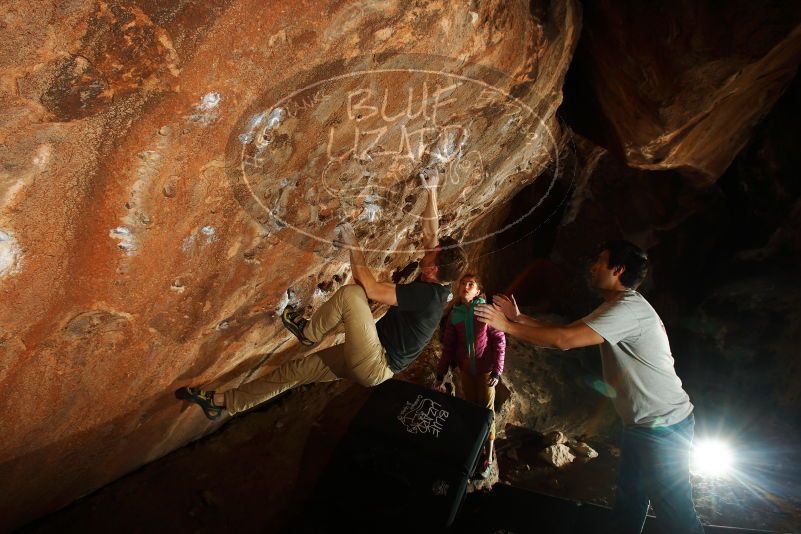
(712, 458)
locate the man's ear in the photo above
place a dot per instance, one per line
(432, 271)
(619, 270)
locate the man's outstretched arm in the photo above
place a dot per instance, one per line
(430, 213)
(383, 292)
(508, 306)
(572, 336)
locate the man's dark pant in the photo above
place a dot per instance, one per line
(655, 466)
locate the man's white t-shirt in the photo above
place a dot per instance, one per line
(637, 362)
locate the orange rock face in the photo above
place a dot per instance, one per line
(172, 175)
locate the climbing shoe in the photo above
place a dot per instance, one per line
(485, 466)
(204, 399)
(295, 323)
(484, 469)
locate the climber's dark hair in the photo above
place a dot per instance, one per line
(451, 260)
(633, 258)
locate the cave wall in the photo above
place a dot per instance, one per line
(736, 311)
(136, 256)
(681, 85)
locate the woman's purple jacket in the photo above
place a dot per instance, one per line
(490, 347)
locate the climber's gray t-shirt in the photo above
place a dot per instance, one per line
(637, 362)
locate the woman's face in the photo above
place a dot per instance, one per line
(468, 288)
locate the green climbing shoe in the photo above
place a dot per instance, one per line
(204, 399)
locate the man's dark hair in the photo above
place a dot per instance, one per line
(451, 260)
(633, 258)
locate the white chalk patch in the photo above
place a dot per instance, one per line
(42, 156)
(188, 242)
(204, 118)
(269, 121)
(127, 241)
(276, 116)
(288, 298)
(207, 109)
(294, 300)
(446, 148)
(209, 101)
(207, 233)
(10, 255)
(210, 233)
(371, 213)
(256, 120)
(508, 124)
(319, 293)
(279, 308)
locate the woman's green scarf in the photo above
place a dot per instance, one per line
(464, 313)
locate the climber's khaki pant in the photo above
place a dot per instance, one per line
(360, 358)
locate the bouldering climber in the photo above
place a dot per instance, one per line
(373, 351)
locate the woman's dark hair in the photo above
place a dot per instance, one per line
(633, 258)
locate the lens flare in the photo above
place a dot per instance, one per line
(712, 458)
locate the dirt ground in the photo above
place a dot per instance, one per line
(252, 476)
(755, 497)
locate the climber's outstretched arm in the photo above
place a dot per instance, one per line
(383, 292)
(430, 213)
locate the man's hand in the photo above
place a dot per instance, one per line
(345, 236)
(508, 306)
(492, 381)
(493, 316)
(439, 385)
(429, 180)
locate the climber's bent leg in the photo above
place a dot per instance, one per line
(361, 358)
